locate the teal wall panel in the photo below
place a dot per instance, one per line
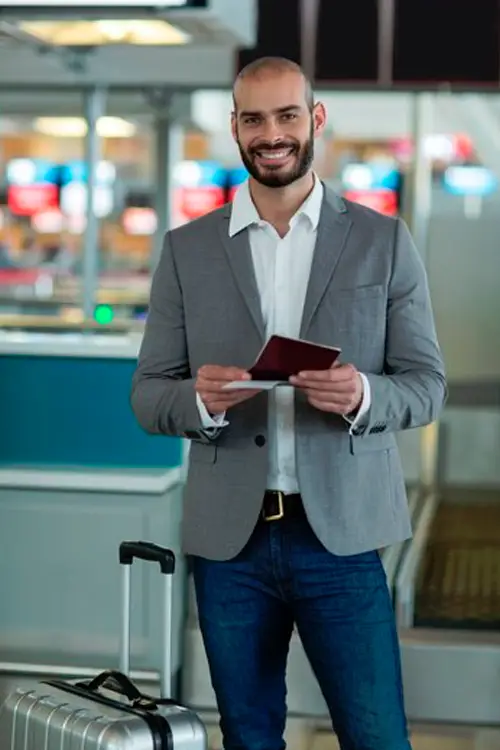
(57, 411)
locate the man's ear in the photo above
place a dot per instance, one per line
(234, 125)
(319, 118)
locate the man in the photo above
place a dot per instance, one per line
(291, 494)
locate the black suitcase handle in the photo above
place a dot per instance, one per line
(128, 551)
(117, 682)
(149, 552)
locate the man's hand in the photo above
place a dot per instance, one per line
(338, 390)
(210, 381)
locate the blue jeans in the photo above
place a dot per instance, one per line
(343, 613)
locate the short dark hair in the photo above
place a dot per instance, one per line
(275, 65)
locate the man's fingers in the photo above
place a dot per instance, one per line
(211, 386)
(335, 407)
(222, 374)
(325, 386)
(215, 389)
(324, 397)
(337, 374)
(226, 397)
(222, 403)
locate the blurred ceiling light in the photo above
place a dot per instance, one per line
(97, 33)
(76, 127)
(8, 125)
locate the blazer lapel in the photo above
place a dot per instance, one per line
(333, 230)
(239, 255)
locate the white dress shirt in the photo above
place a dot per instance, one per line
(282, 268)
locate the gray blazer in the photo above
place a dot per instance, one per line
(367, 294)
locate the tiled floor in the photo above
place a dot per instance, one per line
(301, 737)
(426, 741)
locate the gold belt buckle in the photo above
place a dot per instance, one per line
(281, 508)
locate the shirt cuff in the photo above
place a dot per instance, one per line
(208, 422)
(366, 402)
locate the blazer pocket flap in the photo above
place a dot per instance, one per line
(373, 291)
(368, 443)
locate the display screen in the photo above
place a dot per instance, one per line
(198, 188)
(32, 172)
(447, 41)
(347, 41)
(433, 42)
(278, 32)
(74, 188)
(26, 200)
(383, 201)
(469, 180)
(360, 176)
(32, 186)
(376, 185)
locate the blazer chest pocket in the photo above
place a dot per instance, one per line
(371, 443)
(369, 291)
(358, 310)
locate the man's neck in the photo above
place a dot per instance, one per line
(278, 205)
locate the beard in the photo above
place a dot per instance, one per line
(302, 156)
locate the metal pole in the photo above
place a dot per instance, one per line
(168, 153)
(162, 192)
(309, 12)
(421, 203)
(94, 109)
(421, 187)
(385, 41)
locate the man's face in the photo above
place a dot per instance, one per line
(274, 127)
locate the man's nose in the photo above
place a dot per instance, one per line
(272, 131)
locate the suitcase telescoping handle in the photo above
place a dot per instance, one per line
(166, 560)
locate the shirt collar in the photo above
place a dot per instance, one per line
(244, 214)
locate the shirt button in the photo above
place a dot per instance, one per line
(260, 441)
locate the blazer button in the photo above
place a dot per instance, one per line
(260, 441)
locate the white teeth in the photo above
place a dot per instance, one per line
(275, 154)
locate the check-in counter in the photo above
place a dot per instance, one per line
(64, 401)
(448, 609)
(77, 476)
(447, 590)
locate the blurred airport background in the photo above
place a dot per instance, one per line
(114, 126)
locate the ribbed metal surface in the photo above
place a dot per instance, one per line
(459, 582)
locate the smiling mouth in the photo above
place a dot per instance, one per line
(275, 155)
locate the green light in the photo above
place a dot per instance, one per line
(103, 314)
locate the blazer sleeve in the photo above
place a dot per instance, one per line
(412, 389)
(163, 396)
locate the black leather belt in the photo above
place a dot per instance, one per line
(278, 505)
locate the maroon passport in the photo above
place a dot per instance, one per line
(282, 357)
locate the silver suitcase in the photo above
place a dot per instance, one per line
(107, 712)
